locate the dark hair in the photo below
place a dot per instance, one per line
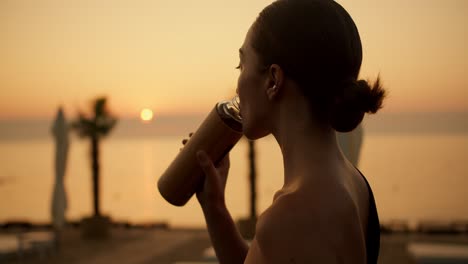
(317, 45)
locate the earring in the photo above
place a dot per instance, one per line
(274, 87)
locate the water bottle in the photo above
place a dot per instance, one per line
(217, 135)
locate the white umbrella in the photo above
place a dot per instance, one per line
(351, 143)
(59, 200)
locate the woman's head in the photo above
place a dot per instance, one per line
(316, 44)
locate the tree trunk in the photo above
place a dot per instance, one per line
(95, 167)
(253, 181)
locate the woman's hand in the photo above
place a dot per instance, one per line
(212, 191)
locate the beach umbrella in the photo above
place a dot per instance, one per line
(59, 199)
(351, 143)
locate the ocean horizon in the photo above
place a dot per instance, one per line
(181, 125)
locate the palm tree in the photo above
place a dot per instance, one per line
(252, 181)
(95, 127)
(247, 225)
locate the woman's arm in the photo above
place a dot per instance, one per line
(227, 242)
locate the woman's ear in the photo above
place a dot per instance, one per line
(275, 81)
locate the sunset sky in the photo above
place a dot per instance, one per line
(178, 56)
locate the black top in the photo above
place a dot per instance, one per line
(373, 229)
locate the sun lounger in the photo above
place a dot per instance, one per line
(8, 243)
(434, 253)
(37, 242)
(8, 246)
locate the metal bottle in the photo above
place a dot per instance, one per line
(217, 134)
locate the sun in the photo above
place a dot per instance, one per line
(146, 115)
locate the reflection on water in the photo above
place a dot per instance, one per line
(148, 188)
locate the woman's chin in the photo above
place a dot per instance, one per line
(253, 134)
(247, 133)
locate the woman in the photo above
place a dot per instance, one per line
(299, 66)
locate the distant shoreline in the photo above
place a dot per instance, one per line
(179, 126)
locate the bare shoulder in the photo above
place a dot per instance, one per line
(306, 228)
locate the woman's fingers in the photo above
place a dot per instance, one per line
(185, 140)
(207, 166)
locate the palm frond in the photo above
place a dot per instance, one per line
(100, 124)
(105, 125)
(84, 126)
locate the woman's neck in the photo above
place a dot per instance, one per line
(308, 148)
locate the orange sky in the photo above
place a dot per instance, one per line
(179, 56)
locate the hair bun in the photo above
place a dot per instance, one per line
(372, 98)
(356, 99)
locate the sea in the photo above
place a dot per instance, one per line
(417, 165)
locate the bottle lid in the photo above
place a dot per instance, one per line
(230, 111)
